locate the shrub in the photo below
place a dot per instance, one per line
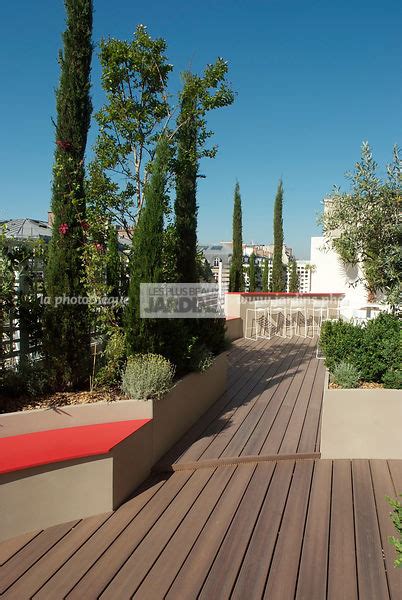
(381, 347)
(346, 375)
(393, 379)
(374, 349)
(396, 517)
(200, 358)
(147, 376)
(341, 341)
(30, 379)
(114, 357)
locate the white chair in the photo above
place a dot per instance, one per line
(298, 315)
(320, 313)
(257, 315)
(277, 315)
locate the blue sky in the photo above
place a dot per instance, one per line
(313, 80)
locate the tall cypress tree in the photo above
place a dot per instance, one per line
(278, 284)
(293, 279)
(265, 276)
(67, 338)
(186, 209)
(251, 273)
(146, 260)
(236, 279)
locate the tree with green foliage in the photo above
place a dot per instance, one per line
(363, 225)
(67, 341)
(236, 276)
(278, 283)
(293, 278)
(134, 78)
(200, 94)
(265, 274)
(251, 274)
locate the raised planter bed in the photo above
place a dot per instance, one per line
(81, 460)
(234, 328)
(361, 423)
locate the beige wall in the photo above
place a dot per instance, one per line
(234, 328)
(361, 424)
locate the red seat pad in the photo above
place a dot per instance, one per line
(45, 447)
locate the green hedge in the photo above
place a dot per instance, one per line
(374, 349)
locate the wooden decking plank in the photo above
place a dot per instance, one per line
(246, 397)
(372, 582)
(50, 562)
(308, 438)
(312, 578)
(383, 486)
(233, 437)
(209, 424)
(255, 567)
(226, 566)
(249, 420)
(276, 395)
(294, 428)
(130, 559)
(281, 583)
(194, 570)
(342, 578)
(159, 579)
(154, 499)
(10, 547)
(395, 468)
(32, 552)
(280, 425)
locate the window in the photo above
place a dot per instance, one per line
(216, 262)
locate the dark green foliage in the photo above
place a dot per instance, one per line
(186, 209)
(66, 339)
(236, 281)
(265, 273)
(393, 379)
(341, 341)
(278, 284)
(293, 280)
(374, 349)
(251, 273)
(29, 379)
(146, 265)
(382, 347)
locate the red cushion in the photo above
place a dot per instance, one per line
(45, 447)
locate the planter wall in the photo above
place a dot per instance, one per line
(234, 328)
(361, 423)
(43, 496)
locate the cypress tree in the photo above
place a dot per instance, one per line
(251, 273)
(277, 266)
(293, 279)
(146, 260)
(265, 276)
(236, 279)
(186, 209)
(66, 341)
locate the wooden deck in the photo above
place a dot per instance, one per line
(238, 509)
